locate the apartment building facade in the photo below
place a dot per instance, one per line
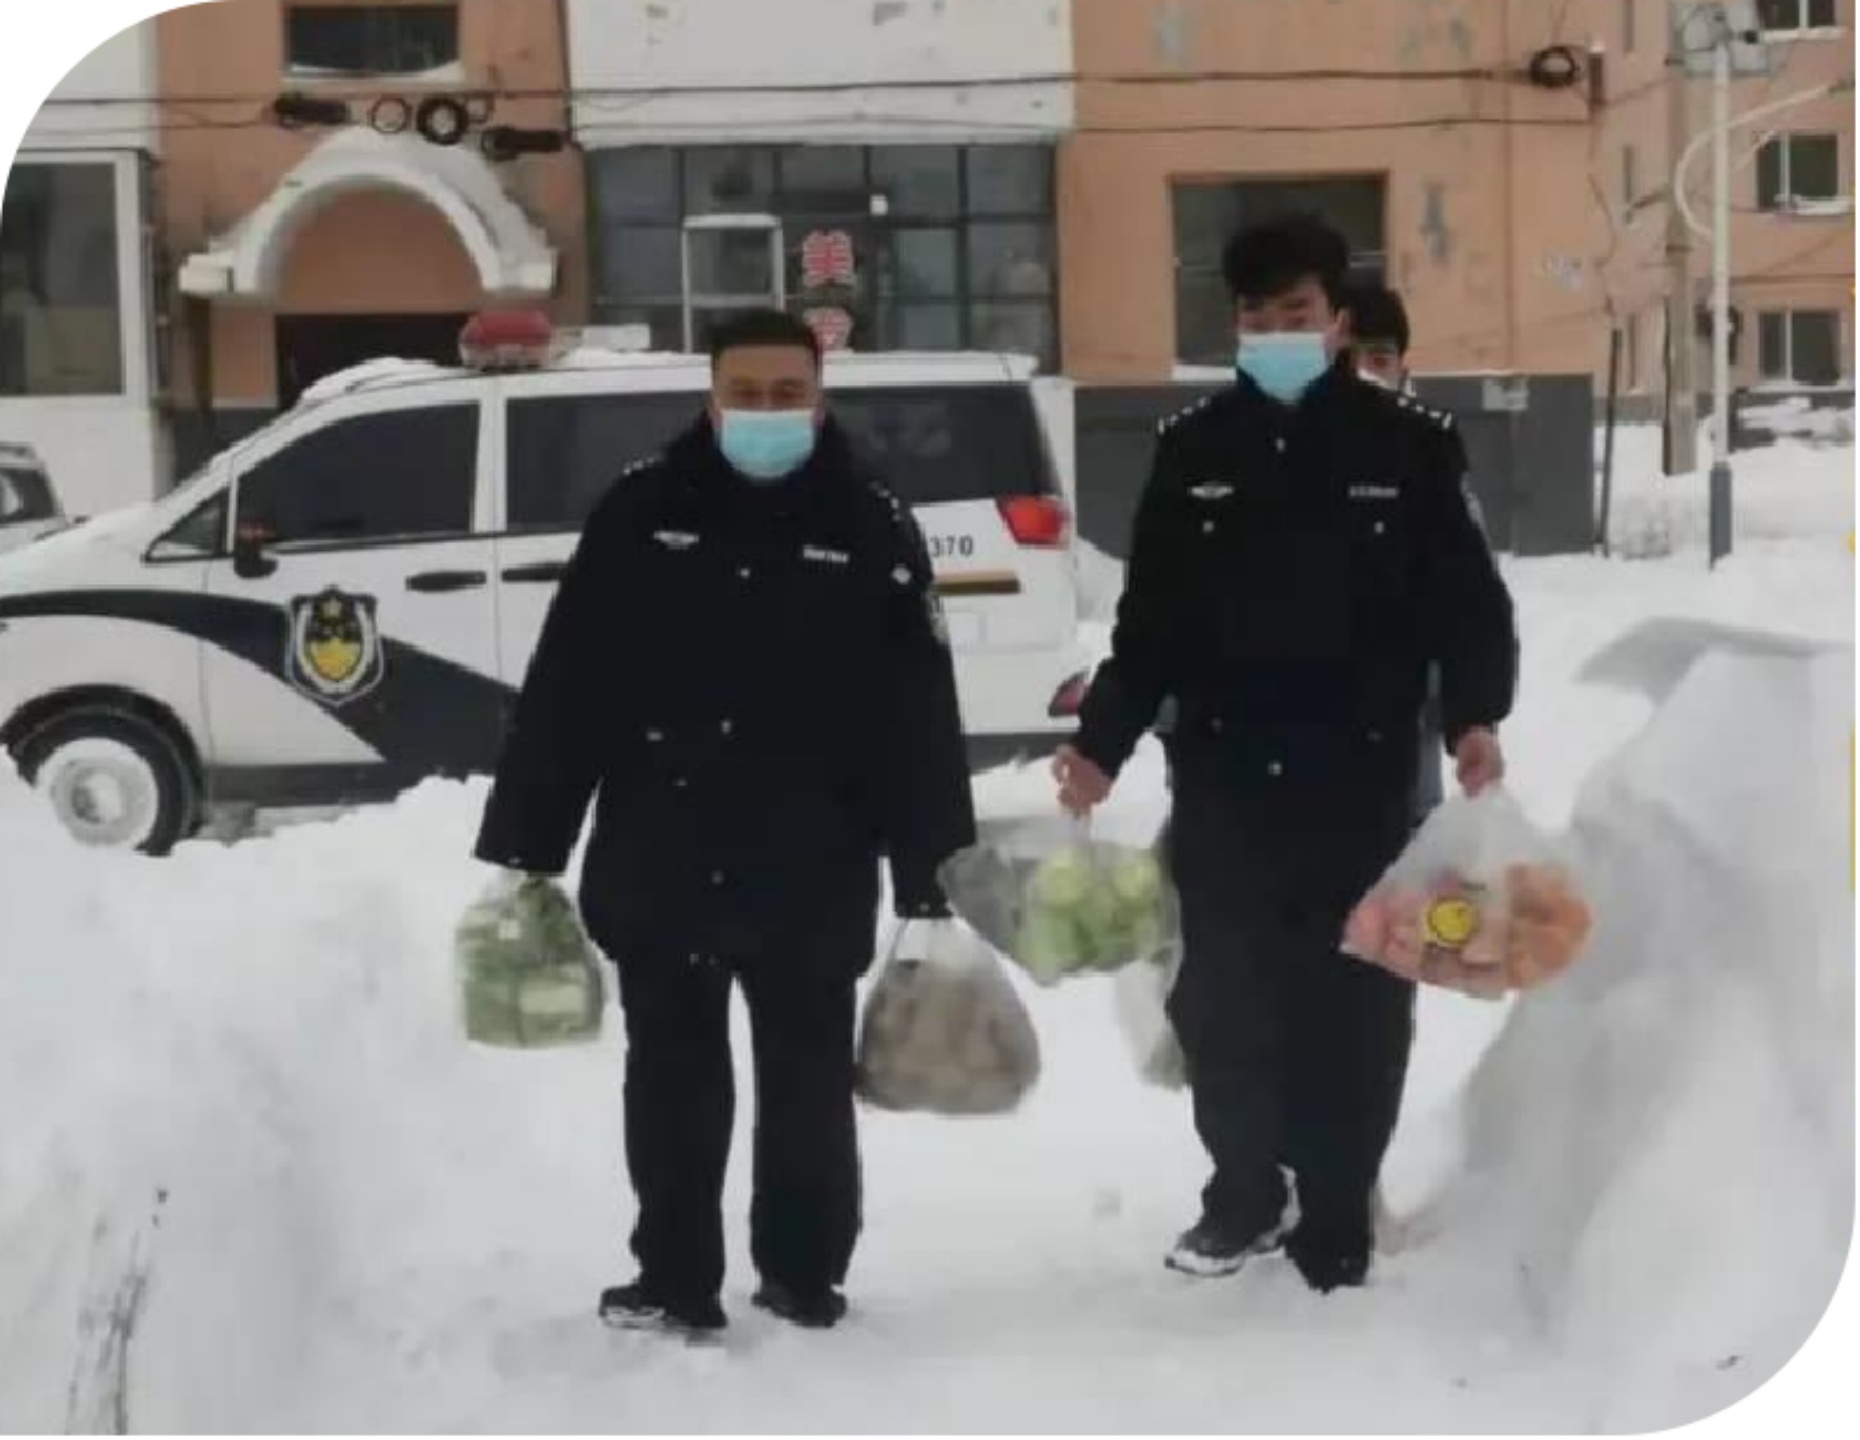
(1505, 163)
(1055, 177)
(305, 238)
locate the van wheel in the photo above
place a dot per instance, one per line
(115, 780)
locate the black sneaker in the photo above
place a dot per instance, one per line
(1330, 1261)
(635, 1307)
(1212, 1249)
(811, 1310)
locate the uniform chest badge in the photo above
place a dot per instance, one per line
(821, 555)
(335, 653)
(676, 541)
(1366, 490)
(1211, 490)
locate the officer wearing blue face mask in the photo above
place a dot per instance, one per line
(1305, 554)
(746, 673)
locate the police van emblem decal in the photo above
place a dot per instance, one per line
(335, 650)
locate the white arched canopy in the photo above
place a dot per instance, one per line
(510, 254)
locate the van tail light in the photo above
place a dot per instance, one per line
(1037, 522)
(1069, 698)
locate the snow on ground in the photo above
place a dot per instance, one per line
(251, 1178)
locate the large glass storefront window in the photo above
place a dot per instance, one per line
(61, 330)
(931, 247)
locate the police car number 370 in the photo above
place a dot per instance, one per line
(952, 547)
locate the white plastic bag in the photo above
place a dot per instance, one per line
(528, 977)
(1140, 994)
(1476, 903)
(943, 1030)
(1060, 903)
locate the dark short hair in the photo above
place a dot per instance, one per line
(1270, 257)
(1377, 316)
(755, 328)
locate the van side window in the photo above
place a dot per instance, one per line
(24, 495)
(200, 536)
(400, 475)
(935, 445)
(566, 450)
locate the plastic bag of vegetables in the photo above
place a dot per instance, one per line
(528, 977)
(1140, 993)
(943, 1030)
(1476, 903)
(1058, 902)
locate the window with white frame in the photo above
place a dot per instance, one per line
(1800, 347)
(1782, 17)
(61, 307)
(1798, 171)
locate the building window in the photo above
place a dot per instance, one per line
(408, 39)
(1207, 213)
(919, 247)
(61, 326)
(1800, 347)
(1784, 16)
(1798, 171)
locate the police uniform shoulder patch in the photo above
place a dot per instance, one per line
(1169, 422)
(334, 653)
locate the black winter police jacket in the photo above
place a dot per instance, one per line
(1293, 573)
(755, 683)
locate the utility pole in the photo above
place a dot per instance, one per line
(1720, 482)
(1682, 382)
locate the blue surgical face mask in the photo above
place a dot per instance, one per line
(1283, 363)
(766, 445)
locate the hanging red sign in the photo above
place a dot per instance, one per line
(827, 259)
(831, 325)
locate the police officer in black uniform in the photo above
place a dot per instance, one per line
(746, 671)
(1379, 338)
(1303, 552)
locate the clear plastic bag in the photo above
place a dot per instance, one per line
(943, 1030)
(1476, 903)
(1058, 902)
(1140, 994)
(528, 976)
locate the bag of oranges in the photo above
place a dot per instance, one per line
(1476, 903)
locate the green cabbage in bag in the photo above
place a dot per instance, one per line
(1058, 903)
(528, 978)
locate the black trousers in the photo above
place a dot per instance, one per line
(1297, 1054)
(680, 1110)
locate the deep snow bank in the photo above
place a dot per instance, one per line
(368, 1224)
(1662, 1146)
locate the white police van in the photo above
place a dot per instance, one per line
(345, 602)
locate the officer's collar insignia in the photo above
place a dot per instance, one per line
(334, 653)
(675, 539)
(1211, 490)
(820, 555)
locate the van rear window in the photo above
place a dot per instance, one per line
(932, 445)
(25, 495)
